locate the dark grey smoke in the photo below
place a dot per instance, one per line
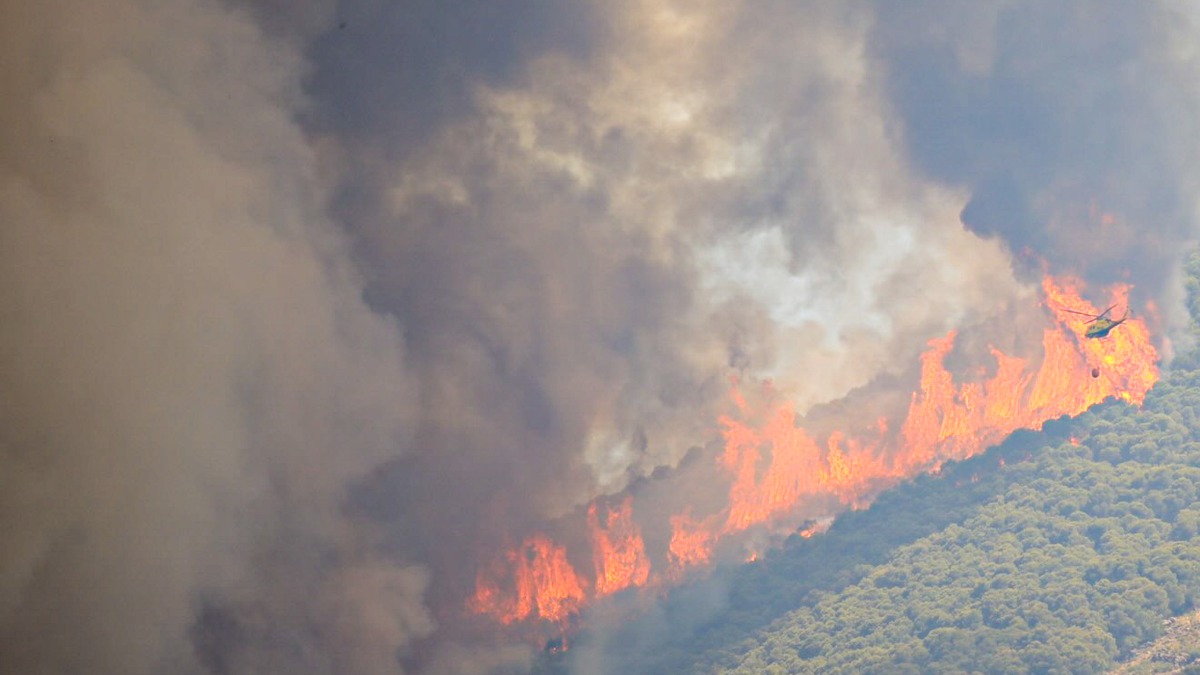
(1072, 123)
(189, 378)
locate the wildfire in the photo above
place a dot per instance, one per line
(618, 550)
(774, 466)
(691, 542)
(815, 528)
(540, 582)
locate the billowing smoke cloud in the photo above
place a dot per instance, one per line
(594, 251)
(189, 376)
(583, 259)
(305, 307)
(1073, 125)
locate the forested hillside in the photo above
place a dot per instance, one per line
(1076, 563)
(1060, 551)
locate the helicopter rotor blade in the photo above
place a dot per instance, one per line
(1094, 317)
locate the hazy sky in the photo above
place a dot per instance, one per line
(303, 305)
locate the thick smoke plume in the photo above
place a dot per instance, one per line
(307, 308)
(1072, 124)
(188, 375)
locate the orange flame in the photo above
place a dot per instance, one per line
(541, 582)
(775, 466)
(691, 542)
(1126, 358)
(618, 550)
(944, 421)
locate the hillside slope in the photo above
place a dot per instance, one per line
(1059, 551)
(1076, 563)
(1067, 550)
(708, 623)
(1176, 651)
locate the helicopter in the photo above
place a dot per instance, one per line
(1101, 324)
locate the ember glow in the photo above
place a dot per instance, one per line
(779, 473)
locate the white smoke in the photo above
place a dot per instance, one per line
(759, 176)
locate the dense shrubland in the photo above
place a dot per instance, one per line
(1076, 562)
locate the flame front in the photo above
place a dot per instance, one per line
(533, 580)
(691, 542)
(618, 550)
(775, 466)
